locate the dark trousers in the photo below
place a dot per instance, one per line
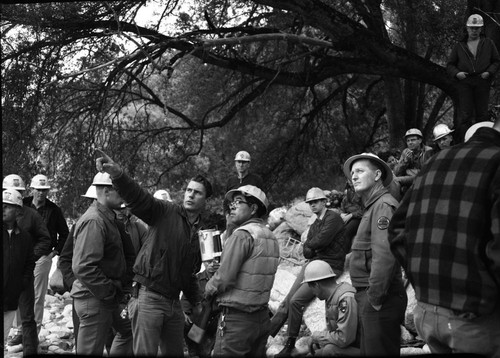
(474, 96)
(244, 334)
(27, 312)
(380, 330)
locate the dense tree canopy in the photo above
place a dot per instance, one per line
(300, 84)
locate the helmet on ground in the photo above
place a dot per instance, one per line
(387, 175)
(315, 194)
(13, 181)
(475, 20)
(12, 196)
(40, 181)
(413, 131)
(91, 193)
(317, 270)
(250, 190)
(470, 132)
(102, 178)
(440, 131)
(242, 156)
(162, 195)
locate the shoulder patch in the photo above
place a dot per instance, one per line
(383, 222)
(343, 306)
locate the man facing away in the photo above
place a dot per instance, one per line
(245, 277)
(167, 261)
(446, 235)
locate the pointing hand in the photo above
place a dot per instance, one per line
(106, 164)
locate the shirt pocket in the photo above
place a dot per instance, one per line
(363, 251)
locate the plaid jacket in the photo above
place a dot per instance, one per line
(446, 232)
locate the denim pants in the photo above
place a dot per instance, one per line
(96, 319)
(446, 331)
(244, 334)
(380, 330)
(157, 321)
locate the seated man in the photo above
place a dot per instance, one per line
(341, 337)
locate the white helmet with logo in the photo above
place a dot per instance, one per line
(13, 181)
(315, 194)
(40, 181)
(91, 193)
(102, 178)
(440, 131)
(12, 196)
(250, 190)
(242, 156)
(413, 131)
(475, 20)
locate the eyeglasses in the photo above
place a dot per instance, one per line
(237, 203)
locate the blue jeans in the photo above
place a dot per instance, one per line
(96, 319)
(446, 331)
(157, 321)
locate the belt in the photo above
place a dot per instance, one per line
(167, 296)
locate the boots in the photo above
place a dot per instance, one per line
(287, 349)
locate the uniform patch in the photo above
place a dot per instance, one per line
(383, 222)
(343, 306)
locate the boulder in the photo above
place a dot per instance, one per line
(46, 316)
(15, 349)
(314, 316)
(67, 311)
(51, 300)
(283, 281)
(298, 217)
(284, 231)
(70, 324)
(411, 351)
(276, 217)
(53, 348)
(412, 303)
(406, 336)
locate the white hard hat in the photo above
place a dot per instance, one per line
(91, 193)
(387, 175)
(317, 270)
(413, 131)
(470, 132)
(242, 156)
(315, 194)
(250, 190)
(13, 181)
(162, 195)
(12, 196)
(102, 178)
(40, 181)
(440, 131)
(475, 20)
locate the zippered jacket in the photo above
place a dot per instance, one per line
(462, 60)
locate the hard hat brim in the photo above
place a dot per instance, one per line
(319, 278)
(472, 129)
(231, 193)
(443, 135)
(388, 172)
(40, 187)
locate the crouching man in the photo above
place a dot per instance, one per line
(245, 277)
(341, 337)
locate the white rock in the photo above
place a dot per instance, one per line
(412, 303)
(43, 333)
(15, 349)
(284, 231)
(46, 316)
(314, 316)
(283, 281)
(301, 346)
(410, 351)
(68, 309)
(298, 217)
(67, 296)
(426, 349)
(53, 337)
(50, 325)
(276, 217)
(405, 335)
(70, 325)
(53, 348)
(50, 300)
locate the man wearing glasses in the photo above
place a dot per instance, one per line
(245, 277)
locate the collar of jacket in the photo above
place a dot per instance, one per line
(104, 210)
(375, 195)
(488, 135)
(16, 230)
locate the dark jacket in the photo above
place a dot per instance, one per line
(30, 221)
(462, 60)
(170, 255)
(65, 261)
(250, 179)
(18, 266)
(326, 241)
(99, 261)
(54, 219)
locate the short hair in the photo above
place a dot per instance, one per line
(203, 180)
(261, 210)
